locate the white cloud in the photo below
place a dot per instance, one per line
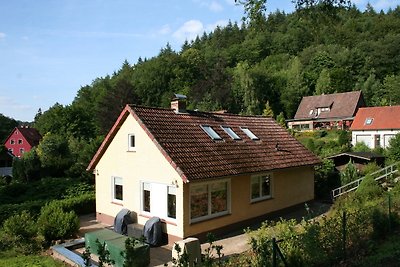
(215, 6)
(189, 30)
(220, 23)
(2, 35)
(193, 28)
(11, 103)
(166, 29)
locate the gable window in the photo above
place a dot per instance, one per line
(21, 150)
(146, 197)
(12, 141)
(19, 141)
(261, 187)
(209, 200)
(117, 189)
(249, 133)
(171, 202)
(131, 142)
(211, 132)
(231, 133)
(368, 121)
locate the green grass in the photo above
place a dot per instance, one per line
(386, 253)
(11, 258)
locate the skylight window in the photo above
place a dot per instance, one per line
(231, 133)
(211, 133)
(368, 121)
(249, 133)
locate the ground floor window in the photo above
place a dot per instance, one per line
(261, 187)
(146, 197)
(117, 189)
(171, 202)
(209, 200)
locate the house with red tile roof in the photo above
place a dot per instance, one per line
(375, 126)
(327, 111)
(21, 140)
(199, 172)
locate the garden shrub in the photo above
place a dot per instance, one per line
(349, 174)
(54, 223)
(20, 232)
(370, 168)
(81, 204)
(8, 210)
(369, 189)
(8, 193)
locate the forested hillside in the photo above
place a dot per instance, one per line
(275, 59)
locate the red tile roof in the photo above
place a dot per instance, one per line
(343, 105)
(383, 118)
(31, 135)
(196, 156)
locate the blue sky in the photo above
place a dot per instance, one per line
(49, 49)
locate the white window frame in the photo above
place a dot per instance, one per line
(209, 214)
(211, 132)
(261, 196)
(116, 180)
(231, 132)
(12, 141)
(249, 133)
(144, 186)
(368, 121)
(152, 188)
(171, 190)
(130, 146)
(20, 141)
(21, 150)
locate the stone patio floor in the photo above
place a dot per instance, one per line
(233, 243)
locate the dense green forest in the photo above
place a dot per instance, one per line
(264, 61)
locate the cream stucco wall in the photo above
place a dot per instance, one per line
(289, 187)
(147, 164)
(368, 137)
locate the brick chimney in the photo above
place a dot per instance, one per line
(178, 103)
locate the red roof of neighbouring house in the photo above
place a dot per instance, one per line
(195, 155)
(31, 135)
(342, 105)
(377, 118)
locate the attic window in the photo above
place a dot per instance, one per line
(231, 133)
(131, 142)
(211, 133)
(368, 121)
(249, 133)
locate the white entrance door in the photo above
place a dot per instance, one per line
(158, 200)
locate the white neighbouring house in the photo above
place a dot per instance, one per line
(375, 126)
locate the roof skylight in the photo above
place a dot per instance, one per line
(231, 133)
(249, 133)
(211, 132)
(368, 121)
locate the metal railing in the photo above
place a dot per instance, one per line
(382, 173)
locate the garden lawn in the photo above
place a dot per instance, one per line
(11, 258)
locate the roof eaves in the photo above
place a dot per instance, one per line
(107, 140)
